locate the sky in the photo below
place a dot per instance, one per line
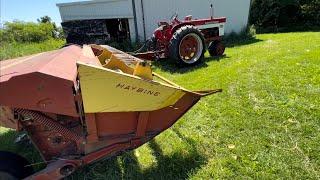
(30, 10)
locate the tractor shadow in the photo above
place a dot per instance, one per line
(168, 65)
(177, 165)
(230, 43)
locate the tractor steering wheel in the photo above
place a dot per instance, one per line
(174, 16)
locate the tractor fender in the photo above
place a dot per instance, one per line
(175, 28)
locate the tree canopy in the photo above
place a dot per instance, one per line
(284, 13)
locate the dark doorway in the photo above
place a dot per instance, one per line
(96, 31)
(118, 29)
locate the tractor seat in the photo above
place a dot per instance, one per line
(188, 18)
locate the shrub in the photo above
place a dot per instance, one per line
(19, 31)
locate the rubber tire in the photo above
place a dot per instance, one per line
(14, 165)
(175, 42)
(213, 48)
(153, 44)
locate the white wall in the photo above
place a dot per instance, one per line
(236, 11)
(102, 9)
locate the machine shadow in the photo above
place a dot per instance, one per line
(24, 149)
(178, 165)
(169, 66)
(104, 169)
(174, 166)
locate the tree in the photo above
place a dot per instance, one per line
(311, 11)
(56, 33)
(45, 19)
(19, 31)
(269, 15)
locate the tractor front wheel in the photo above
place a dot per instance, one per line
(13, 166)
(187, 46)
(216, 48)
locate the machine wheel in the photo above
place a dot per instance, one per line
(216, 48)
(12, 166)
(187, 46)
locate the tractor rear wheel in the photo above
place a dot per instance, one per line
(13, 166)
(187, 46)
(216, 48)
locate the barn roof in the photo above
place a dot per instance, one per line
(86, 2)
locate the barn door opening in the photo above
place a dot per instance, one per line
(96, 31)
(118, 29)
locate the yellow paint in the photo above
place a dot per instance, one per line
(116, 64)
(104, 90)
(143, 70)
(105, 55)
(87, 51)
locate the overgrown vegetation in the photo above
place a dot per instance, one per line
(264, 125)
(285, 15)
(13, 50)
(21, 32)
(25, 32)
(20, 38)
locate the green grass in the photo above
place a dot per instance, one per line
(265, 125)
(12, 50)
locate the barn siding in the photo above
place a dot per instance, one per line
(236, 11)
(107, 9)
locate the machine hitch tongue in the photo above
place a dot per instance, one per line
(122, 104)
(55, 170)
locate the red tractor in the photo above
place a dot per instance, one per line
(185, 41)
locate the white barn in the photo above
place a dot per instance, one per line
(143, 15)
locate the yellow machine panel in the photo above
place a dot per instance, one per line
(105, 90)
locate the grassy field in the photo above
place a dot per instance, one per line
(13, 50)
(265, 125)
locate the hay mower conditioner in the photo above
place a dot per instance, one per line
(80, 105)
(185, 41)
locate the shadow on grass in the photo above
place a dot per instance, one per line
(230, 43)
(177, 165)
(7, 143)
(288, 29)
(169, 66)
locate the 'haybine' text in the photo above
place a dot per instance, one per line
(137, 89)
